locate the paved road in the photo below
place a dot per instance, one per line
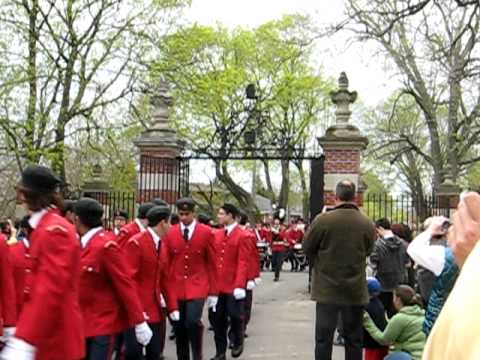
(282, 325)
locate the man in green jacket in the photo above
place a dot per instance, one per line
(337, 245)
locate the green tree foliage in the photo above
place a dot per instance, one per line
(210, 68)
(65, 65)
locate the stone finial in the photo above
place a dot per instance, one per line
(343, 98)
(161, 102)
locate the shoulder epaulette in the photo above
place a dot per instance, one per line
(110, 244)
(57, 229)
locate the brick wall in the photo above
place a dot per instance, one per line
(342, 161)
(329, 198)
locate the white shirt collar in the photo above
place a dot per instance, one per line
(140, 225)
(156, 238)
(36, 217)
(190, 228)
(85, 239)
(230, 228)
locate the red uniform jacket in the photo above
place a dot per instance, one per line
(232, 259)
(108, 297)
(127, 232)
(51, 319)
(294, 237)
(266, 234)
(18, 256)
(149, 273)
(280, 242)
(253, 257)
(8, 312)
(191, 263)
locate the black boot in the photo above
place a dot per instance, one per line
(237, 351)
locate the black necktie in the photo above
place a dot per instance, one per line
(226, 233)
(185, 234)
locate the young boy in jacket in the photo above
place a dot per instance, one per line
(376, 310)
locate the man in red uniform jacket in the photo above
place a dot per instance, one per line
(136, 226)
(190, 253)
(120, 219)
(232, 248)
(19, 253)
(279, 247)
(108, 298)
(50, 326)
(8, 310)
(253, 276)
(143, 252)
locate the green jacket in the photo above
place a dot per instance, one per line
(337, 244)
(404, 331)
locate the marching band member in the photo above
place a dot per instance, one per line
(149, 271)
(190, 252)
(50, 326)
(232, 248)
(108, 298)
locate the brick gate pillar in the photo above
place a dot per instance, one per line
(343, 145)
(160, 169)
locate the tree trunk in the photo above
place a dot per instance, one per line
(243, 197)
(30, 152)
(285, 187)
(305, 190)
(271, 193)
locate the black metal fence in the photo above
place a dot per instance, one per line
(405, 208)
(164, 178)
(113, 201)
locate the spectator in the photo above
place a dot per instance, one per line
(404, 330)
(455, 333)
(424, 277)
(337, 244)
(376, 311)
(440, 261)
(405, 234)
(389, 260)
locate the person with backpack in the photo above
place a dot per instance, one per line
(389, 260)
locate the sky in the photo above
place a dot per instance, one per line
(365, 71)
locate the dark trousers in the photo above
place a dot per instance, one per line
(326, 321)
(99, 347)
(277, 262)
(387, 300)
(293, 260)
(153, 351)
(248, 307)
(189, 330)
(229, 312)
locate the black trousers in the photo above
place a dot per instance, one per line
(229, 312)
(189, 330)
(153, 351)
(326, 322)
(293, 260)
(248, 307)
(277, 261)
(100, 347)
(387, 300)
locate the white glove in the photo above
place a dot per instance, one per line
(143, 333)
(8, 333)
(212, 302)
(175, 316)
(17, 349)
(258, 281)
(251, 285)
(239, 294)
(162, 302)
